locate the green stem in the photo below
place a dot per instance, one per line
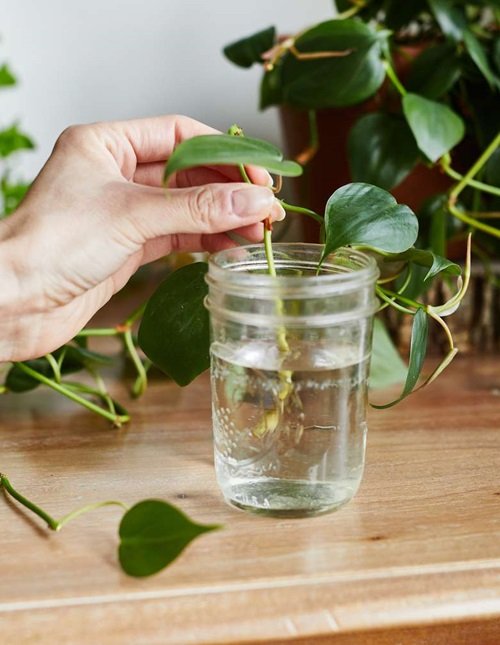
(282, 341)
(103, 391)
(475, 168)
(302, 210)
(85, 509)
(442, 323)
(475, 223)
(58, 387)
(393, 78)
(53, 524)
(56, 368)
(94, 331)
(7, 486)
(141, 383)
(244, 173)
(486, 188)
(268, 246)
(401, 290)
(390, 300)
(349, 13)
(137, 313)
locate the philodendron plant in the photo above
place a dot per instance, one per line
(432, 71)
(174, 331)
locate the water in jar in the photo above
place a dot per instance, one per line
(289, 437)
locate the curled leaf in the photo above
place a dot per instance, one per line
(453, 303)
(418, 349)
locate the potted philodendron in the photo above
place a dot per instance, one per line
(291, 332)
(403, 95)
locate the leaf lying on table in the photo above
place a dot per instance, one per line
(226, 149)
(174, 332)
(152, 534)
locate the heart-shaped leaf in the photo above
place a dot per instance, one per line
(382, 150)
(152, 534)
(174, 332)
(226, 149)
(364, 215)
(247, 51)
(418, 350)
(334, 81)
(436, 128)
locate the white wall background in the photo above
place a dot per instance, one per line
(82, 61)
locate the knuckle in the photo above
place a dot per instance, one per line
(207, 206)
(74, 135)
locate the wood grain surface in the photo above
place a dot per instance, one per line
(415, 558)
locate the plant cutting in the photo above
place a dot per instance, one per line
(388, 91)
(152, 533)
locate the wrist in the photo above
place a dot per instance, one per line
(16, 292)
(10, 293)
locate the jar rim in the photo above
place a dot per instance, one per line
(232, 265)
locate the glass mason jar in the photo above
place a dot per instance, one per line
(289, 366)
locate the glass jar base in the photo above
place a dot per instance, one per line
(289, 498)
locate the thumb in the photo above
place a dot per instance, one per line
(211, 208)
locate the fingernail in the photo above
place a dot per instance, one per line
(278, 212)
(253, 200)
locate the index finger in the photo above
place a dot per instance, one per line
(152, 140)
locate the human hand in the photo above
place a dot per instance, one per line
(97, 212)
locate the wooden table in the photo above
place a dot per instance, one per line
(415, 558)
